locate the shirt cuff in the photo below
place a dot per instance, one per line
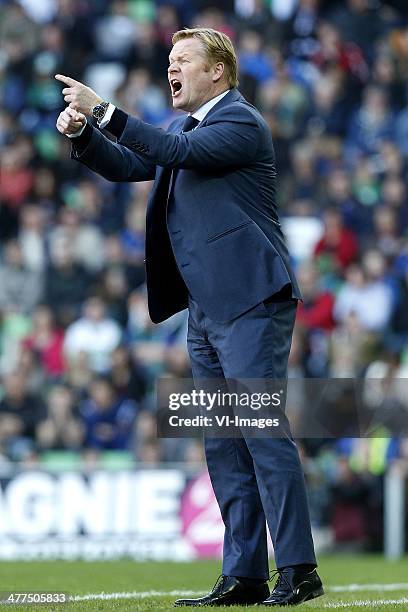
(108, 116)
(81, 141)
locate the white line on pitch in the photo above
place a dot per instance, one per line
(347, 588)
(136, 595)
(367, 603)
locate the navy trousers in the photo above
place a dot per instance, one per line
(255, 480)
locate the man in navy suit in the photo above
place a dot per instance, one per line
(214, 244)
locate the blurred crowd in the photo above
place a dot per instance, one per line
(79, 356)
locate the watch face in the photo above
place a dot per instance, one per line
(98, 111)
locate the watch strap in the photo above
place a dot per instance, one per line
(104, 105)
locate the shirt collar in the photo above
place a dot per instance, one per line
(201, 112)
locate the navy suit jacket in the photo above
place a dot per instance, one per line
(217, 235)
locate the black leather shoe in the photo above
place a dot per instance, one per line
(294, 587)
(229, 591)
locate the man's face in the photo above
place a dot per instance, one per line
(193, 80)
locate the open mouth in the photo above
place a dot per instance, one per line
(176, 87)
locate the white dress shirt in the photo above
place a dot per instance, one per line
(199, 114)
(203, 111)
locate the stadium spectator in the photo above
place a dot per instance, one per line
(253, 60)
(316, 310)
(20, 412)
(20, 288)
(384, 73)
(85, 240)
(117, 258)
(351, 347)
(31, 238)
(128, 379)
(30, 367)
(132, 237)
(109, 421)
(45, 195)
(349, 512)
(386, 235)
(301, 30)
(371, 124)
(61, 428)
(339, 194)
(329, 110)
(366, 182)
(16, 176)
(370, 299)
(285, 102)
(67, 283)
(150, 341)
(303, 163)
(394, 194)
(338, 246)
(94, 335)
(113, 289)
(114, 33)
(335, 52)
(361, 22)
(46, 340)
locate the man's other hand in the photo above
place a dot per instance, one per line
(79, 96)
(70, 121)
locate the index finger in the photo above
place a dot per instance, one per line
(66, 79)
(74, 114)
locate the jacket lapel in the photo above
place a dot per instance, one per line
(161, 174)
(232, 96)
(161, 179)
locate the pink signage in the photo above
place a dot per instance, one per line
(201, 520)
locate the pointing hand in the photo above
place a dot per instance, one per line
(79, 96)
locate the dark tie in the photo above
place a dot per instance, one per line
(190, 123)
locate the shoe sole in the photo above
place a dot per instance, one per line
(317, 593)
(217, 605)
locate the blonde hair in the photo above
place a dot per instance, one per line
(218, 48)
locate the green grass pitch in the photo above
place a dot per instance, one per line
(136, 580)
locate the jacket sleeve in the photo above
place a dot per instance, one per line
(230, 138)
(112, 160)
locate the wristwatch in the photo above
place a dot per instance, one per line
(99, 111)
